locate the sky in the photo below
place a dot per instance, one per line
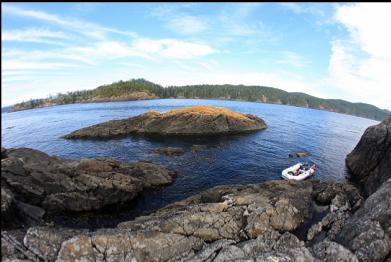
(329, 50)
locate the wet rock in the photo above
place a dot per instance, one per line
(169, 151)
(298, 154)
(370, 161)
(196, 120)
(39, 181)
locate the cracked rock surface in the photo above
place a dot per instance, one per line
(33, 182)
(225, 223)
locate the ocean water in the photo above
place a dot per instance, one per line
(228, 160)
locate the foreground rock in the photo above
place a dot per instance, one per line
(368, 232)
(370, 161)
(196, 120)
(253, 222)
(234, 223)
(33, 182)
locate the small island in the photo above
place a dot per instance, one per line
(195, 120)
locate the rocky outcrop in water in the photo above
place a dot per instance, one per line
(298, 154)
(370, 161)
(169, 151)
(196, 120)
(33, 182)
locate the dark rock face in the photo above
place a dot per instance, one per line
(368, 232)
(32, 181)
(197, 120)
(370, 161)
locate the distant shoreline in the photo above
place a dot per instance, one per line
(220, 99)
(141, 89)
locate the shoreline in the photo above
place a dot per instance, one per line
(217, 99)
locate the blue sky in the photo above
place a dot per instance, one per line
(327, 50)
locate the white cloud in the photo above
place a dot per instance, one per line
(172, 48)
(360, 65)
(146, 48)
(37, 35)
(365, 22)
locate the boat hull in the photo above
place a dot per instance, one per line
(304, 175)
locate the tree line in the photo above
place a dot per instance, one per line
(229, 92)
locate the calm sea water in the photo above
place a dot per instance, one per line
(239, 159)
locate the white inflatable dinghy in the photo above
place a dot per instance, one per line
(297, 172)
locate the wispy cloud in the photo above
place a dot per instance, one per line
(23, 65)
(172, 48)
(292, 59)
(96, 47)
(37, 35)
(178, 20)
(235, 20)
(305, 8)
(80, 26)
(187, 24)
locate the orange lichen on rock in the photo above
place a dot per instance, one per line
(206, 110)
(194, 120)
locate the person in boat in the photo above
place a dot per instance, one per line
(298, 171)
(303, 168)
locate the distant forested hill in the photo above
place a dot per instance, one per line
(137, 89)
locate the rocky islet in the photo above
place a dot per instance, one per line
(188, 121)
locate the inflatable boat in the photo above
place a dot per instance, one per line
(298, 172)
